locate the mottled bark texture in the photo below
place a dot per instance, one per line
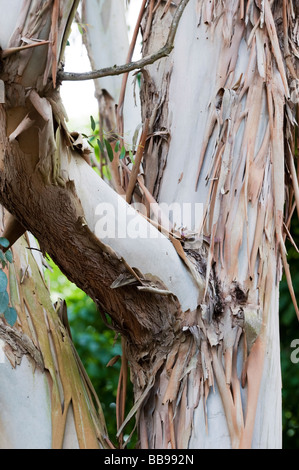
(34, 185)
(223, 134)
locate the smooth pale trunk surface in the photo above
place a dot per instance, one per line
(26, 408)
(107, 26)
(268, 422)
(139, 239)
(11, 13)
(193, 84)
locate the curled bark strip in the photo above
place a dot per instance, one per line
(14, 50)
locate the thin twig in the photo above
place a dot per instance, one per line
(290, 237)
(13, 50)
(138, 64)
(149, 21)
(119, 116)
(135, 170)
(121, 392)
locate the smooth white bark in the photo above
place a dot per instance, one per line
(8, 26)
(139, 243)
(25, 403)
(268, 421)
(25, 407)
(107, 34)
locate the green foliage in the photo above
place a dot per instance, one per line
(101, 144)
(289, 330)
(109, 150)
(4, 242)
(92, 124)
(6, 310)
(3, 282)
(95, 343)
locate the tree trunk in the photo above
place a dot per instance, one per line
(45, 395)
(197, 306)
(221, 98)
(47, 400)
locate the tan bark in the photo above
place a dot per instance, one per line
(232, 160)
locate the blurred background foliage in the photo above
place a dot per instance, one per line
(289, 330)
(97, 345)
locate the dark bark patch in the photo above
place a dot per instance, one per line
(238, 294)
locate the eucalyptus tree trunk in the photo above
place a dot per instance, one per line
(197, 305)
(220, 133)
(46, 398)
(223, 100)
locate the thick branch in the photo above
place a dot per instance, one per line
(136, 65)
(144, 295)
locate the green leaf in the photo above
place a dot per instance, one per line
(3, 281)
(4, 301)
(8, 256)
(2, 258)
(101, 147)
(117, 146)
(122, 152)
(10, 315)
(4, 242)
(139, 79)
(92, 123)
(131, 157)
(109, 150)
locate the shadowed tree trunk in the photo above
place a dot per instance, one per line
(197, 305)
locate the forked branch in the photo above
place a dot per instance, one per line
(136, 65)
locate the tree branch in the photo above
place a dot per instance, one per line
(136, 65)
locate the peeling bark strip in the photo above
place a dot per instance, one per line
(18, 344)
(232, 150)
